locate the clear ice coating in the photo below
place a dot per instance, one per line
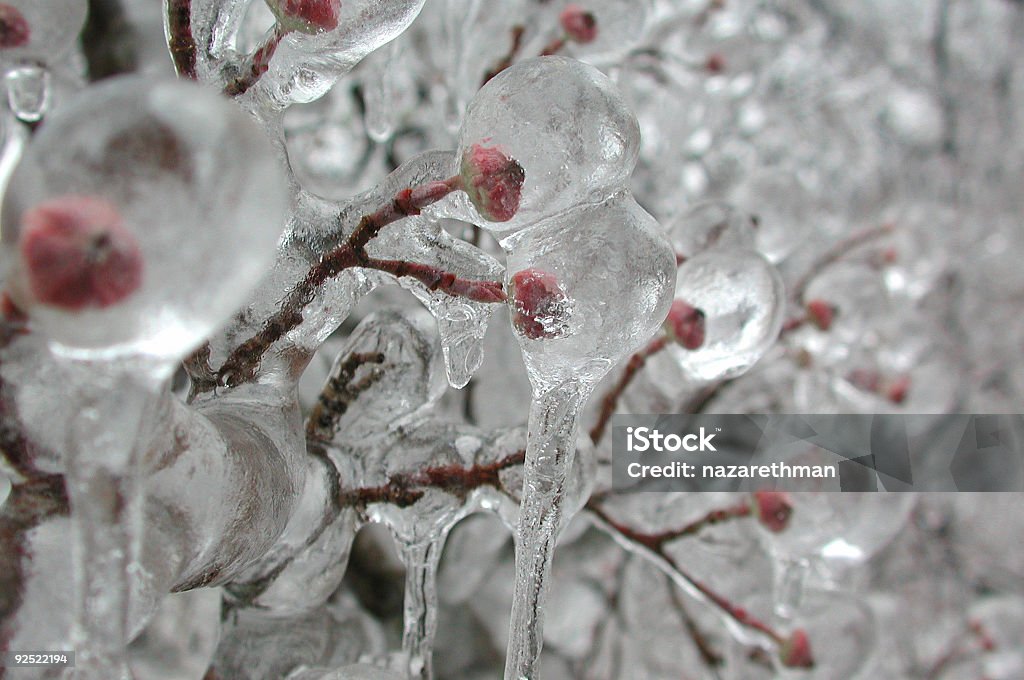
(179, 187)
(743, 300)
(579, 146)
(866, 154)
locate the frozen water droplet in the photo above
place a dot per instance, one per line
(28, 92)
(742, 298)
(379, 94)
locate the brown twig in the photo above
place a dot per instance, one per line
(653, 544)
(242, 363)
(338, 394)
(611, 399)
(404, 489)
(708, 655)
(833, 255)
(257, 64)
(180, 41)
(506, 61)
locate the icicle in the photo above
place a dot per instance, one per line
(551, 444)
(462, 326)
(379, 94)
(420, 605)
(104, 472)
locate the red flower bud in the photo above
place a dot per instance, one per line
(77, 254)
(821, 314)
(898, 389)
(579, 24)
(715, 63)
(685, 325)
(493, 182)
(306, 16)
(538, 303)
(796, 651)
(14, 29)
(772, 509)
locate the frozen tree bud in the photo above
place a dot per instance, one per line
(796, 651)
(772, 509)
(14, 29)
(821, 314)
(898, 389)
(685, 325)
(77, 254)
(538, 304)
(579, 25)
(493, 182)
(306, 16)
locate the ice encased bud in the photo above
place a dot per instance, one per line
(540, 308)
(77, 254)
(39, 30)
(617, 272)
(493, 181)
(306, 16)
(181, 188)
(566, 125)
(742, 297)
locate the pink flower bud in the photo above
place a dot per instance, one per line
(538, 302)
(14, 29)
(306, 16)
(493, 182)
(579, 24)
(772, 509)
(77, 254)
(685, 325)
(796, 651)
(821, 314)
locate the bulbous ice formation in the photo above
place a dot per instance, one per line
(742, 298)
(616, 271)
(565, 124)
(140, 217)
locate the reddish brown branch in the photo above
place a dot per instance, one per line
(974, 638)
(404, 489)
(611, 399)
(181, 42)
(833, 255)
(708, 655)
(339, 392)
(257, 65)
(506, 61)
(241, 365)
(654, 544)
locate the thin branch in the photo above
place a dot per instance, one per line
(404, 489)
(611, 399)
(181, 42)
(654, 546)
(243, 362)
(833, 255)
